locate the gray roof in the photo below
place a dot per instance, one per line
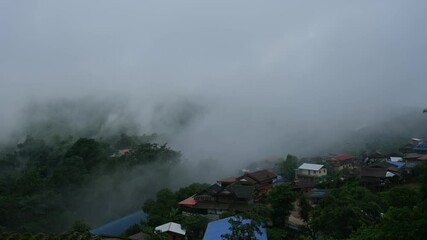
(241, 191)
(310, 166)
(171, 227)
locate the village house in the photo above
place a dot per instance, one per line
(338, 162)
(421, 147)
(380, 175)
(414, 143)
(412, 160)
(230, 194)
(373, 177)
(173, 230)
(375, 156)
(311, 171)
(394, 173)
(216, 199)
(307, 176)
(262, 180)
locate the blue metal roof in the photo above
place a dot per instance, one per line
(116, 227)
(421, 146)
(397, 164)
(216, 228)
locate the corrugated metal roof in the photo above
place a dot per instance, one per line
(421, 146)
(310, 166)
(397, 164)
(216, 228)
(171, 227)
(115, 228)
(395, 159)
(389, 174)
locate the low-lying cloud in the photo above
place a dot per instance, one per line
(234, 81)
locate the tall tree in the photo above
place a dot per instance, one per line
(288, 166)
(242, 229)
(159, 210)
(194, 225)
(281, 199)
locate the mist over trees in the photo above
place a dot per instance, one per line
(109, 103)
(45, 187)
(60, 161)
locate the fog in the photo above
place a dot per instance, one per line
(234, 81)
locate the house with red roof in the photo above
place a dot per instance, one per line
(216, 199)
(230, 194)
(339, 162)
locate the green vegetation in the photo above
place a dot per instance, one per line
(344, 210)
(281, 199)
(241, 229)
(164, 208)
(287, 167)
(42, 184)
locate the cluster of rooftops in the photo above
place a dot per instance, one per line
(376, 170)
(234, 193)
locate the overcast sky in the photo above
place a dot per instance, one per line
(265, 74)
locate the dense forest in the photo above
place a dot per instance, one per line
(47, 186)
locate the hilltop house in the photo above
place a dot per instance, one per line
(309, 170)
(173, 230)
(375, 156)
(421, 147)
(230, 194)
(415, 145)
(216, 199)
(412, 160)
(373, 177)
(380, 175)
(307, 176)
(262, 181)
(339, 162)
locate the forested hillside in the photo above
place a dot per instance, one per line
(47, 186)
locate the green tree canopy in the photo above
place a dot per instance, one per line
(287, 167)
(242, 229)
(281, 199)
(344, 210)
(399, 197)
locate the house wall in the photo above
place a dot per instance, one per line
(321, 172)
(345, 166)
